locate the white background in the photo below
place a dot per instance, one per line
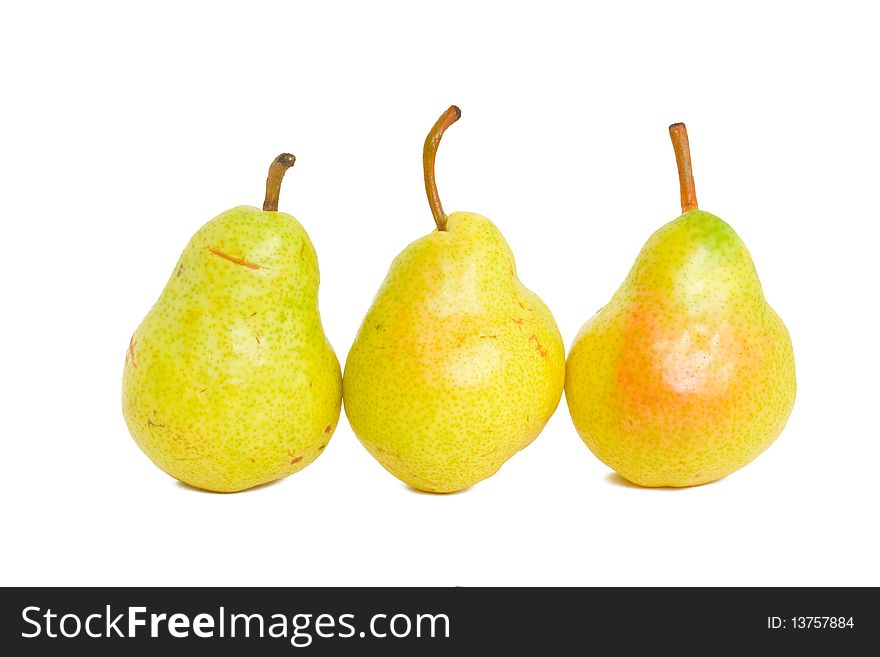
(125, 129)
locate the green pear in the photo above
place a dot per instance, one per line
(687, 374)
(229, 381)
(457, 366)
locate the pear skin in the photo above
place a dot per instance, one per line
(687, 374)
(457, 366)
(229, 381)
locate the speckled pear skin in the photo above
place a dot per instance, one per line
(457, 366)
(229, 380)
(687, 374)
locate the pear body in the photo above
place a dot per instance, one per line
(457, 365)
(229, 381)
(687, 374)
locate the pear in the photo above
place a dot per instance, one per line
(687, 374)
(229, 381)
(457, 366)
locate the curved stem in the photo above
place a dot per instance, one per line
(683, 159)
(429, 154)
(277, 169)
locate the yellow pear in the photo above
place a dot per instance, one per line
(687, 374)
(457, 366)
(229, 381)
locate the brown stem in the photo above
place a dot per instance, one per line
(273, 181)
(429, 154)
(683, 159)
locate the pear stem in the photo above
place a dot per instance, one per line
(429, 155)
(682, 148)
(277, 169)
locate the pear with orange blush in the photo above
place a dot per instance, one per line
(687, 374)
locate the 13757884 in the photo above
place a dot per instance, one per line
(810, 623)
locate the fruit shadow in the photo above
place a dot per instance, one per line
(616, 480)
(416, 491)
(193, 489)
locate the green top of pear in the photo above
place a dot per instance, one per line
(695, 257)
(246, 252)
(245, 244)
(697, 261)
